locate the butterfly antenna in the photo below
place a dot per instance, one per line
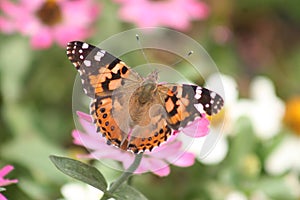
(181, 59)
(140, 45)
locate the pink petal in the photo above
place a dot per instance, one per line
(173, 13)
(31, 5)
(79, 13)
(9, 8)
(195, 9)
(5, 170)
(6, 26)
(88, 141)
(2, 197)
(171, 148)
(64, 33)
(128, 161)
(185, 160)
(42, 39)
(164, 146)
(84, 116)
(163, 171)
(157, 166)
(197, 128)
(77, 18)
(89, 128)
(19, 18)
(7, 182)
(115, 153)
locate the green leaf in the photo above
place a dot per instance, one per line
(80, 171)
(126, 192)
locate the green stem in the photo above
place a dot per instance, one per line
(126, 174)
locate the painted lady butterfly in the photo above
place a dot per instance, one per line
(132, 112)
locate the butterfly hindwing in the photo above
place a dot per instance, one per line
(156, 136)
(136, 139)
(101, 111)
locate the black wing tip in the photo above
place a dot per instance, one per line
(75, 42)
(71, 52)
(218, 104)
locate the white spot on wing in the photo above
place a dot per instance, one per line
(85, 45)
(199, 107)
(198, 92)
(99, 55)
(213, 95)
(197, 96)
(87, 63)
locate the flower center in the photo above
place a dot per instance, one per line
(292, 114)
(218, 119)
(49, 13)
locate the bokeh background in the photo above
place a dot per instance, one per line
(255, 45)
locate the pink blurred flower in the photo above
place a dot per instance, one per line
(48, 21)
(157, 161)
(3, 182)
(171, 13)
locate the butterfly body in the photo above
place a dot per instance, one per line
(132, 112)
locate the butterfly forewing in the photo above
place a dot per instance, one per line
(100, 72)
(184, 103)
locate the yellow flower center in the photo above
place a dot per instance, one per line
(49, 13)
(250, 165)
(292, 114)
(218, 118)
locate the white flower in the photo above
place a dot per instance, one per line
(259, 195)
(265, 109)
(285, 156)
(79, 191)
(217, 154)
(293, 184)
(235, 195)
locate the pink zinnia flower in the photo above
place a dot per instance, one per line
(157, 161)
(3, 182)
(170, 13)
(48, 21)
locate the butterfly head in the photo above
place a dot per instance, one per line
(152, 77)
